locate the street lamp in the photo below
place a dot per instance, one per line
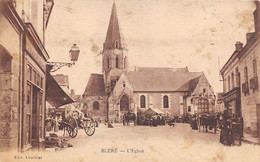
(74, 54)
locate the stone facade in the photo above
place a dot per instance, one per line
(22, 92)
(10, 82)
(99, 111)
(241, 83)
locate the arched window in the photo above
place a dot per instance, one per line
(5, 60)
(125, 63)
(116, 44)
(96, 105)
(165, 102)
(117, 66)
(124, 103)
(142, 101)
(108, 62)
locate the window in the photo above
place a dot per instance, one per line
(29, 72)
(237, 78)
(228, 83)
(96, 105)
(203, 105)
(142, 101)
(246, 74)
(40, 113)
(37, 79)
(34, 76)
(225, 85)
(165, 102)
(116, 44)
(125, 63)
(108, 62)
(204, 90)
(246, 80)
(28, 129)
(232, 80)
(254, 67)
(41, 83)
(5, 60)
(124, 84)
(117, 65)
(29, 91)
(254, 80)
(189, 109)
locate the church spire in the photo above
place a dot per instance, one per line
(114, 38)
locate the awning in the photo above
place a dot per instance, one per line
(152, 111)
(55, 94)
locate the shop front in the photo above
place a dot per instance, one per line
(232, 102)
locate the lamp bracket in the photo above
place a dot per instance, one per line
(57, 65)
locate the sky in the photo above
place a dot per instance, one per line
(158, 33)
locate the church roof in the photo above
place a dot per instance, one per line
(95, 85)
(159, 69)
(163, 81)
(190, 85)
(114, 32)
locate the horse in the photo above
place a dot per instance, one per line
(129, 117)
(208, 121)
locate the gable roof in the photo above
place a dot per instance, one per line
(190, 85)
(95, 85)
(159, 69)
(163, 80)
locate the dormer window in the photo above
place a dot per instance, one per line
(116, 44)
(125, 63)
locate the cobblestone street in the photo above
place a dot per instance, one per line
(129, 143)
(144, 143)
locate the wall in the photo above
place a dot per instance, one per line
(250, 101)
(88, 106)
(9, 87)
(155, 100)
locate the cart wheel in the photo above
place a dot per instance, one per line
(73, 127)
(89, 126)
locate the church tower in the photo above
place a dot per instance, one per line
(115, 52)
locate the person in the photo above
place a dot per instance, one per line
(158, 119)
(241, 124)
(225, 137)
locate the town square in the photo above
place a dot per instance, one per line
(117, 80)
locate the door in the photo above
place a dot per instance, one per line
(124, 103)
(258, 120)
(35, 122)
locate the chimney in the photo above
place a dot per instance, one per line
(249, 36)
(72, 92)
(257, 16)
(239, 46)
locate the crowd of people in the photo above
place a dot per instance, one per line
(150, 120)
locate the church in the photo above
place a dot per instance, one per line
(118, 90)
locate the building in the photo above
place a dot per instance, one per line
(22, 72)
(77, 100)
(25, 81)
(175, 91)
(240, 80)
(219, 105)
